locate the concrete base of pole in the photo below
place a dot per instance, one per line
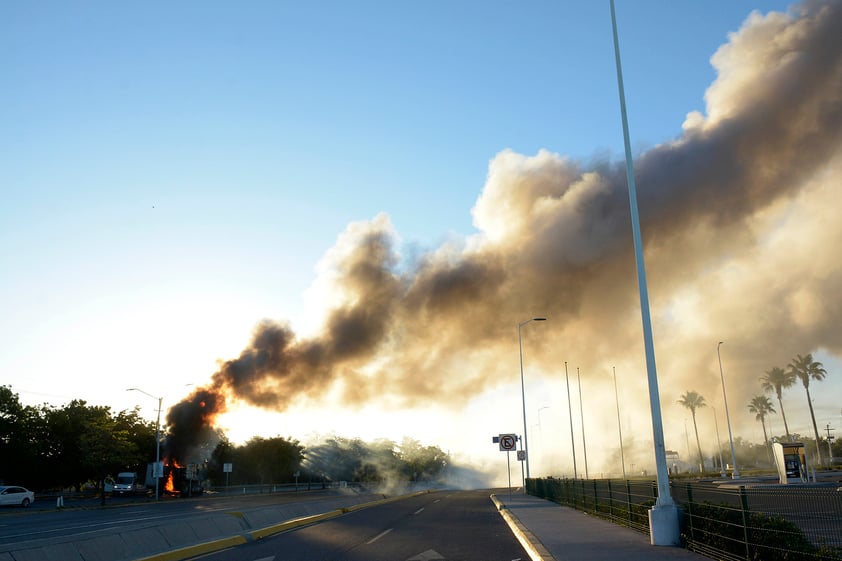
(664, 525)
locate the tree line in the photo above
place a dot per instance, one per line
(46, 447)
(277, 460)
(801, 368)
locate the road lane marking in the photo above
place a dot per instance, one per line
(418, 511)
(378, 536)
(429, 555)
(102, 525)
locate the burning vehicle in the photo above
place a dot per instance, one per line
(178, 480)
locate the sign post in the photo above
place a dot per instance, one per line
(227, 468)
(507, 442)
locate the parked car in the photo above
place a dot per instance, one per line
(16, 496)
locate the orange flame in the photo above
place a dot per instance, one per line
(169, 486)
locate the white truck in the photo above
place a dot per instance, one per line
(127, 483)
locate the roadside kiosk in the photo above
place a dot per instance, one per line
(791, 462)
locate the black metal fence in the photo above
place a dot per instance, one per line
(720, 520)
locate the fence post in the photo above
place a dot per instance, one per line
(566, 491)
(628, 500)
(690, 510)
(595, 498)
(573, 493)
(580, 491)
(610, 502)
(744, 510)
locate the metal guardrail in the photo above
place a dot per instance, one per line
(726, 521)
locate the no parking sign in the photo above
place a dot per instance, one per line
(508, 442)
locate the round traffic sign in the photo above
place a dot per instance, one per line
(508, 442)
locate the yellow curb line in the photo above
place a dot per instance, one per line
(220, 544)
(532, 545)
(298, 522)
(198, 549)
(383, 501)
(292, 524)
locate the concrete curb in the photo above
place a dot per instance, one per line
(293, 524)
(198, 549)
(532, 545)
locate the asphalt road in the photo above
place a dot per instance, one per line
(87, 517)
(445, 525)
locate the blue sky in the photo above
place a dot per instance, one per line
(174, 173)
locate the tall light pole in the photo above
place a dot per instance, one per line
(582, 415)
(570, 412)
(541, 428)
(157, 437)
(619, 426)
(719, 445)
(736, 473)
(523, 394)
(664, 527)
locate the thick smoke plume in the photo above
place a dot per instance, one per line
(190, 425)
(739, 218)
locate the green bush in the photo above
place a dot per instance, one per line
(770, 538)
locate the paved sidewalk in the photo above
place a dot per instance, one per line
(560, 533)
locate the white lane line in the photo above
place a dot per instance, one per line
(378, 536)
(418, 511)
(77, 529)
(435, 501)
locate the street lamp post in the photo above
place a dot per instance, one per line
(570, 412)
(157, 437)
(736, 473)
(523, 394)
(664, 527)
(619, 426)
(540, 427)
(582, 415)
(719, 445)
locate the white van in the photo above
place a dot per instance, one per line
(127, 483)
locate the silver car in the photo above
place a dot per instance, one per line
(16, 496)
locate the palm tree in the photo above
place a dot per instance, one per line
(776, 379)
(762, 406)
(805, 368)
(692, 401)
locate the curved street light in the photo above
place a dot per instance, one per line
(523, 394)
(157, 437)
